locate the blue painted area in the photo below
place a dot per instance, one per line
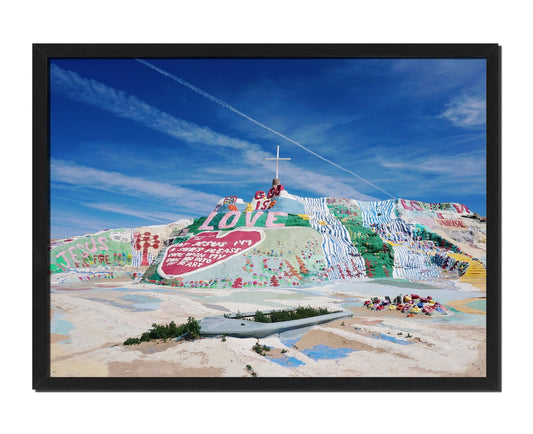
(290, 206)
(290, 337)
(441, 310)
(471, 319)
(478, 304)
(321, 352)
(225, 207)
(391, 339)
(113, 303)
(59, 326)
(135, 303)
(135, 298)
(142, 302)
(352, 304)
(289, 342)
(286, 361)
(119, 289)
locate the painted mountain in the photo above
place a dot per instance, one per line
(279, 239)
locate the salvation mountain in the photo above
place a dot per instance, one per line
(280, 239)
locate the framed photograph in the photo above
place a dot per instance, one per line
(292, 217)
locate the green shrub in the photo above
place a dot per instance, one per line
(261, 317)
(281, 315)
(237, 315)
(193, 327)
(251, 371)
(132, 341)
(164, 332)
(260, 349)
(289, 315)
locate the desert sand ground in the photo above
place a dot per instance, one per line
(91, 320)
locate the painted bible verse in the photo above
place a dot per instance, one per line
(205, 250)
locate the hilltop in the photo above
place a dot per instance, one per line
(280, 239)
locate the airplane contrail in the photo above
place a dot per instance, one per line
(233, 109)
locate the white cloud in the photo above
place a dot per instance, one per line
(458, 174)
(66, 224)
(322, 184)
(119, 103)
(466, 111)
(156, 216)
(89, 177)
(460, 165)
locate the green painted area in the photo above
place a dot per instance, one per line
(427, 235)
(478, 304)
(290, 220)
(378, 256)
(107, 248)
(434, 206)
(54, 268)
(293, 220)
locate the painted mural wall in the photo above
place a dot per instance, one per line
(106, 248)
(452, 221)
(112, 249)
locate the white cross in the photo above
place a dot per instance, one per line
(277, 161)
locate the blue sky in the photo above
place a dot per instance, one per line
(131, 146)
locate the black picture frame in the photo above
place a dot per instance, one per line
(42, 53)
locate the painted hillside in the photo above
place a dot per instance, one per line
(279, 239)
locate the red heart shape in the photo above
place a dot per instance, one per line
(205, 250)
